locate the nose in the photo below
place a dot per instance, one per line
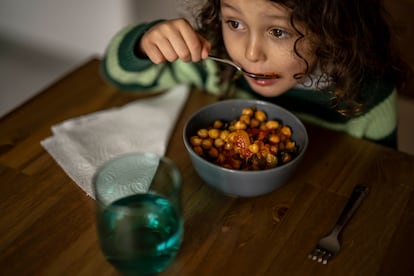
(254, 49)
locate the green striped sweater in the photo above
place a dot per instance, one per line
(125, 70)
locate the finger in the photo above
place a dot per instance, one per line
(149, 48)
(155, 55)
(180, 47)
(169, 40)
(158, 47)
(193, 46)
(185, 41)
(190, 47)
(174, 39)
(198, 46)
(206, 47)
(168, 50)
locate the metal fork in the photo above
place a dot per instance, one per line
(328, 247)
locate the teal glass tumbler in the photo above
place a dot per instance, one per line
(139, 218)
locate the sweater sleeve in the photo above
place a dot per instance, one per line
(378, 124)
(125, 70)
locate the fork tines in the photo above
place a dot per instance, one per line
(320, 255)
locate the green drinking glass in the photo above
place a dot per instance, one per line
(139, 218)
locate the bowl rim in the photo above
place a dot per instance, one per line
(302, 149)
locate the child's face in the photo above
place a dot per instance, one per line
(258, 36)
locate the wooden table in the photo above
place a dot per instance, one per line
(47, 224)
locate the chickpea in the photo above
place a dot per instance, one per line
(286, 157)
(254, 148)
(274, 149)
(213, 152)
(232, 137)
(254, 123)
(285, 130)
(228, 146)
(218, 124)
(195, 141)
(274, 138)
(239, 125)
(260, 115)
(207, 143)
(272, 124)
(213, 133)
(221, 159)
(290, 145)
(218, 143)
(198, 150)
(224, 134)
(247, 111)
(271, 160)
(245, 119)
(232, 128)
(203, 133)
(262, 126)
(236, 164)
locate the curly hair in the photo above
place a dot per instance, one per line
(354, 41)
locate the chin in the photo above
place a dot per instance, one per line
(269, 91)
(272, 88)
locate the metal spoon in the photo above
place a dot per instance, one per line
(255, 76)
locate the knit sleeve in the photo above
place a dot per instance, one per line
(125, 70)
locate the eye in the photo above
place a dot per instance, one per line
(279, 33)
(234, 24)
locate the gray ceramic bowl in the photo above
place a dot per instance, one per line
(237, 182)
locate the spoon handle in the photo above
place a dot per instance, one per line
(225, 61)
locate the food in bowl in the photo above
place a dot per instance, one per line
(236, 182)
(251, 141)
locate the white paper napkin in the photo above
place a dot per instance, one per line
(80, 145)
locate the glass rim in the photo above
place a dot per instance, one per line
(173, 168)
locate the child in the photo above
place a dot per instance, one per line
(334, 60)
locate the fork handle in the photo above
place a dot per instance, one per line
(358, 194)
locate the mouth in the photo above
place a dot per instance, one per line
(269, 80)
(267, 75)
(271, 75)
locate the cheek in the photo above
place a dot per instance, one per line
(228, 42)
(291, 64)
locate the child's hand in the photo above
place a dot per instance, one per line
(172, 40)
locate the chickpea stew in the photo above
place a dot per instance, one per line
(250, 142)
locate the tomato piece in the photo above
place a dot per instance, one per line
(241, 141)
